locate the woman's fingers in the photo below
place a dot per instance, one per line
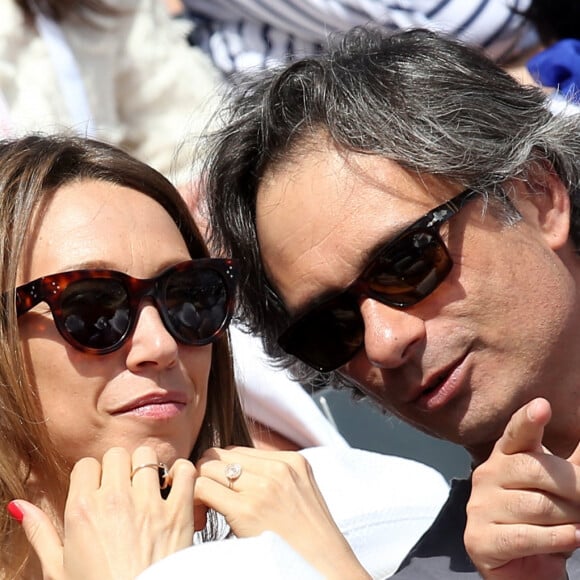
(147, 473)
(263, 478)
(282, 466)
(171, 516)
(116, 523)
(43, 537)
(275, 491)
(181, 478)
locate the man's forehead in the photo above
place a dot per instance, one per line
(313, 161)
(325, 182)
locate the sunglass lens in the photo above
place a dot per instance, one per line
(94, 312)
(328, 336)
(410, 270)
(196, 304)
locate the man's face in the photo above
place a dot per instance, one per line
(489, 338)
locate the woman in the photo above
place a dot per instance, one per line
(112, 336)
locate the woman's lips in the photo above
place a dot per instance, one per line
(159, 410)
(155, 406)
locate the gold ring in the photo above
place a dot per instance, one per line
(232, 472)
(161, 470)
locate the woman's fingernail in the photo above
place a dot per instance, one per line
(15, 511)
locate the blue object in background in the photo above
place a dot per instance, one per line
(558, 66)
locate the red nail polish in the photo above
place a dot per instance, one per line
(15, 511)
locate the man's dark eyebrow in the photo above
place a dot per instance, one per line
(371, 253)
(314, 302)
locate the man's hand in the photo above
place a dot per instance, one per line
(523, 517)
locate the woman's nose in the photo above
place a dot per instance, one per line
(151, 343)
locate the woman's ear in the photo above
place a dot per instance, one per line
(545, 200)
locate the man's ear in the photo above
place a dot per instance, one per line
(544, 199)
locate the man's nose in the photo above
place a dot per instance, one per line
(391, 334)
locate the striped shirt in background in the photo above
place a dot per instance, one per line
(244, 34)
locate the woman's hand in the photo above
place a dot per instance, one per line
(523, 517)
(276, 491)
(115, 524)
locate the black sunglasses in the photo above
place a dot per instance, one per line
(96, 310)
(401, 274)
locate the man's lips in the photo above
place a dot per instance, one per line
(434, 383)
(440, 387)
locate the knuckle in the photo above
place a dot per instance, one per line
(84, 463)
(141, 449)
(184, 469)
(249, 510)
(266, 486)
(80, 509)
(474, 508)
(296, 460)
(492, 469)
(117, 451)
(471, 539)
(281, 470)
(541, 505)
(209, 454)
(113, 502)
(480, 475)
(517, 541)
(525, 466)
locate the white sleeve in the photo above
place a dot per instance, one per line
(148, 89)
(382, 504)
(265, 557)
(167, 92)
(271, 397)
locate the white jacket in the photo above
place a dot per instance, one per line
(134, 73)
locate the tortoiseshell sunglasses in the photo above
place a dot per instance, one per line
(96, 310)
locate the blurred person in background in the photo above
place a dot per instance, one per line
(118, 71)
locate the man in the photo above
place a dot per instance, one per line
(407, 218)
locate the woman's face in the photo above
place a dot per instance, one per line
(151, 391)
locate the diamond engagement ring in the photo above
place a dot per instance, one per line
(232, 472)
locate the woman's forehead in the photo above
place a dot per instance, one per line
(95, 223)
